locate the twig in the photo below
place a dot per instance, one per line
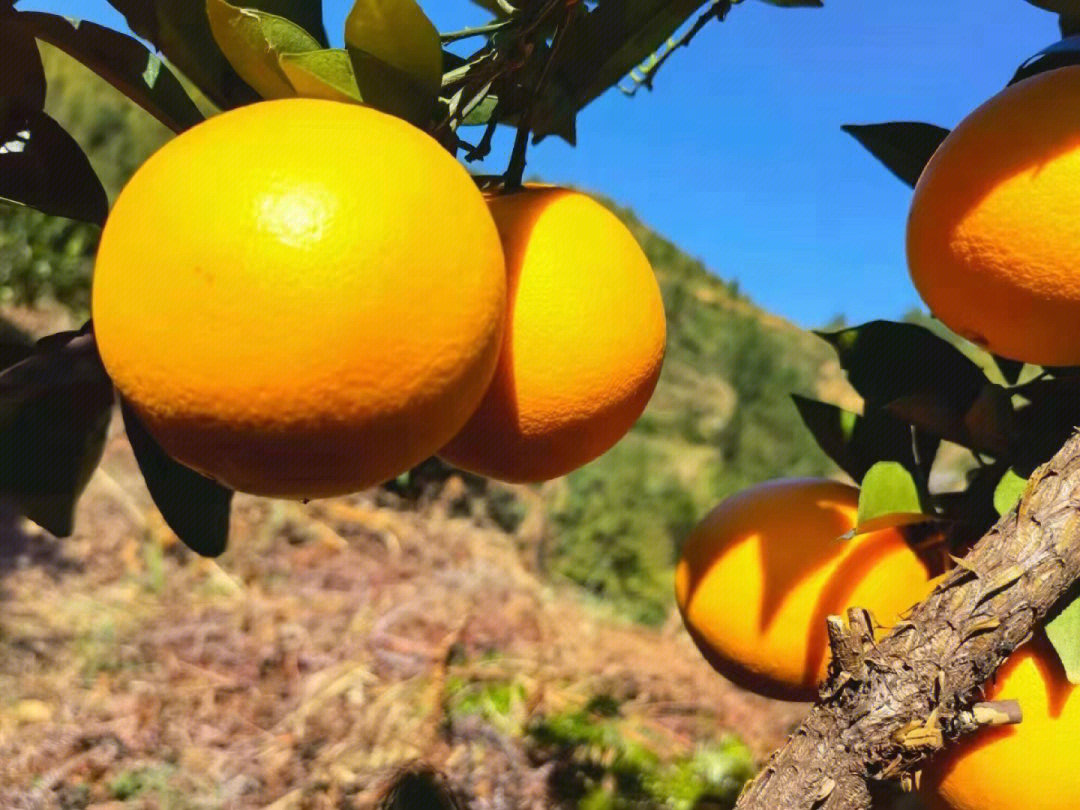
(516, 170)
(718, 10)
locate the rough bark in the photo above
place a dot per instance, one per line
(894, 703)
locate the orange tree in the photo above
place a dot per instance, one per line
(221, 382)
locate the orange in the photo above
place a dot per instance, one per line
(993, 237)
(301, 298)
(1032, 765)
(757, 578)
(584, 340)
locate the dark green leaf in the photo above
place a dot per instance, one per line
(905, 147)
(1063, 630)
(54, 415)
(986, 424)
(252, 40)
(886, 361)
(43, 167)
(22, 76)
(321, 74)
(1008, 491)
(1058, 6)
(397, 56)
(856, 442)
(181, 30)
(1061, 54)
(887, 489)
(1069, 24)
(605, 44)
(194, 506)
(122, 61)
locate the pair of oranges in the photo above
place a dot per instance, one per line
(304, 298)
(993, 242)
(757, 579)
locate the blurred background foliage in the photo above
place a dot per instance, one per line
(721, 417)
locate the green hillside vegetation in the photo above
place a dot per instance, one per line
(720, 420)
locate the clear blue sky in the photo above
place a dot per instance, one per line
(738, 156)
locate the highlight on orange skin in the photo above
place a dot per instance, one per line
(757, 578)
(583, 345)
(1031, 765)
(320, 322)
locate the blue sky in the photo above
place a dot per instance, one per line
(738, 156)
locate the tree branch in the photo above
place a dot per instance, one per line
(916, 688)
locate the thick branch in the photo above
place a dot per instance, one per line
(917, 685)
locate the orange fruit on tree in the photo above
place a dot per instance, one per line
(584, 341)
(993, 237)
(1032, 765)
(757, 578)
(300, 298)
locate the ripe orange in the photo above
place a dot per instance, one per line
(993, 238)
(301, 298)
(758, 577)
(1032, 765)
(584, 340)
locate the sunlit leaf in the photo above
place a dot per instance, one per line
(1010, 369)
(1063, 630)
(54, 415)
(324, 73)
(122, 61)
(22, 76)
(887, 488)
(194, 506)
(1008, 491)
(43, 167)
(253, 40)
(398, 33)
(181, 30)
(905, 147)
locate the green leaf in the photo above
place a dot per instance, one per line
(1008, 491)
(253, 40)
(22, 76)
(43, 167)
(886, 360)
(123, 62)
(1063, 630)
(181, 31)
(194, 506)
(856, 442)
(397, 56)
(54, 416)
(887, 489)
(905, 147)
(986, 424)
(321, 74)
(1010, 369)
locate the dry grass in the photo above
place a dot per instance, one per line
(310, 662)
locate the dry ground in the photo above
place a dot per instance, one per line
(313, 660)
